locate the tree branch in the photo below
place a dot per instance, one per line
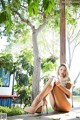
(23, 19)
(42, 26)
(75, 36)
(75, 81)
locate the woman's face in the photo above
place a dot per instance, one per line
(62, 71)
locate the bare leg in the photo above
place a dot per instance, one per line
(52, 100)
(37, 103)
(60, 100)
(46, 90)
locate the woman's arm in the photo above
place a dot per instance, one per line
(65, 90)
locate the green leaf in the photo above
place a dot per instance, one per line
(9, 21)
(45, 4)
(33, 8)
(30, 9)
(36, 5)
(29, 2)
(3, 17)
(48, 5)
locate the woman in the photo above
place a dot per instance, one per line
(59, 90)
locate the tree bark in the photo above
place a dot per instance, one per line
(37, 65)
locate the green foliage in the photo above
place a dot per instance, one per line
(6, 61)
(24, 77)
(71, 12)
(48, 64)
(15, 4)
(33, 6)
(75, 3)
(32, 10)
(15, 111)
(3, 16)
(21, 78)
(24, 81)
(5, 109)
(23, 88)
(26, 92)
(8, 23)
(70, 19)
(52, 59)
(48, 6)
(3, 4)
(4, 57)
(26, 60)
(11, 111)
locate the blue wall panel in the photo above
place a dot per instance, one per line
(6, 102)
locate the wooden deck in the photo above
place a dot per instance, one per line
(74, 114)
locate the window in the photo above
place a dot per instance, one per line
(4, 78)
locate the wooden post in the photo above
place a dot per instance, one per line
(62, 32)
(71, 1)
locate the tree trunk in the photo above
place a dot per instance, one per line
(37, 65)
(37, 62)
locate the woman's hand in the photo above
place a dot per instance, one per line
(58, 83)
(65, 90)
(68, 85)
